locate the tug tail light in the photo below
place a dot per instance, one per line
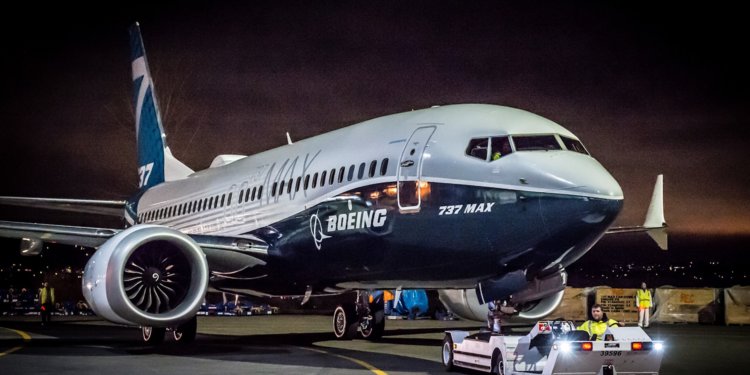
(641, 346)
(587, 346)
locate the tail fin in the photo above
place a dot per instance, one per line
(155, 161)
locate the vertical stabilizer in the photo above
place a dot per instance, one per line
(155, 161)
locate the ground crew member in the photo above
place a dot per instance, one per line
(643, 302)
(598, 323)
(47, 300)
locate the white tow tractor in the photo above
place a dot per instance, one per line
(554, 347)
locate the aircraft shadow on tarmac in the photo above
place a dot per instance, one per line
(285, 349)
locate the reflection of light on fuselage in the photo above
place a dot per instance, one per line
(424, 189)
(392, 190)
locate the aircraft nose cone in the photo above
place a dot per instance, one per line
(571, 172)
(599, 181)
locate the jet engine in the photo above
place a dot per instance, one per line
(147, 275)
(538, 299)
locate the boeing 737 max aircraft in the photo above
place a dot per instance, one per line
(482, 202)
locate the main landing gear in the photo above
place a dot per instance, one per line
(184, 333)
(364, 317)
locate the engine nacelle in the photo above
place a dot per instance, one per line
(147, 275)
(536, 300)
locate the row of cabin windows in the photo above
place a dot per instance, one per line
(320, 179)
(208, 203)
(250, 195)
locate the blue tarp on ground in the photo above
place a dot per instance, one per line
(413, 302)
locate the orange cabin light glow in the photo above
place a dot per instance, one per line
(424, 188)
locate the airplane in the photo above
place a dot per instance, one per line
(486, 201)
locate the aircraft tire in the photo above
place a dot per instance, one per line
(345, 322)
(153, 335)
(185, 333)
(377, 326)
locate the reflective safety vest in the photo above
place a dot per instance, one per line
(597, 328)
(46, 295)
(643, 298)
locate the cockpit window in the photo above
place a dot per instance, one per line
(478, 148)
(500, 147)
(536, 142)
(574, 145)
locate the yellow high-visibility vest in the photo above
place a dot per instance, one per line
(643, 298)
(591, 327)
(46, 295)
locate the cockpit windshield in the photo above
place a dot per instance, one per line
(493, 148)
(489, 148)
(574, 145)
(536, 142)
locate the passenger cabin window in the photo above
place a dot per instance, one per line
(478, 148)
(361, 172)
(350, 176)
(574, 145)
(373, 167)
(315, 180)
(384, 167)
(536, 143)
(341, 174)
(323, 178)
(332, 176)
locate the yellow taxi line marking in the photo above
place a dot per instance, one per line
(364, 364)
(24, 335)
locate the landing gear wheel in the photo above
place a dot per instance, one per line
(345, 322)
(448, 353)
(185, 333)
(375, 327)
(153, 335)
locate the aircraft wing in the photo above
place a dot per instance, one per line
(35, 234)
(655, 225)
(90, 206)
(64, 234)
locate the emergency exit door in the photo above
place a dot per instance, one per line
(410, 170)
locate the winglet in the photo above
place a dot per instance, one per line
(655, 222)
(655, 215)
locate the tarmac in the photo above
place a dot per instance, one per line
(300, 344)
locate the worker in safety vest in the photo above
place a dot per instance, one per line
(47, 300)
(643, 302)
(598, 323)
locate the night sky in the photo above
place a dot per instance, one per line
(648, 90)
